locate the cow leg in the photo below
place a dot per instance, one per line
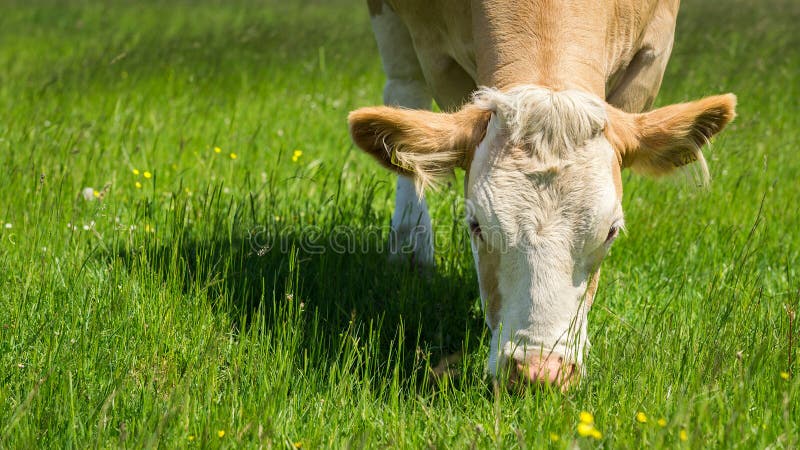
(638, 86)
(411, 235)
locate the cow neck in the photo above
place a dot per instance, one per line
(548, 43)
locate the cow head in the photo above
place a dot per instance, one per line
(543, 191)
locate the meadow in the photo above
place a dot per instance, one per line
(193, 251)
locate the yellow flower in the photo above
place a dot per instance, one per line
(147, 174)
(138, 185)
(597, 434)
(149, 229)
(683, 435)
(296, 155)
(785, 375)
(96, 193)
(221, 433)
(641, 417)
(136, 171)
(586, 417)
(662, 422)
(585, 429)
(554, 437)
(191, 438)
(234, 156)
(217, 150)
(298, 444)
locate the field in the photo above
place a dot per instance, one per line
(177, 182)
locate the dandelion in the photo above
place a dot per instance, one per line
(147, 174)
(683, 435)
(662, 422)
(191, 437)
(641, 417)
(296, 155)
(298, 444)
(586, 426)
(217, 150)
(135, 171)
(234, 155)
(138, 185)
(785, 375)
(221, 433)
(554, 437)
(585, 429)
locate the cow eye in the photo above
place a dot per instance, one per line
(612, 233)
(475, 229)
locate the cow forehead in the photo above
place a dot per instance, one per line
(551, 124)
(561, 198)
(544, 167)
(537, 130)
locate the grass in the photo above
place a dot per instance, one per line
(209, 306)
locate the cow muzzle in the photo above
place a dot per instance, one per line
(542, 371)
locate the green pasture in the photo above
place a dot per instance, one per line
(176, 187)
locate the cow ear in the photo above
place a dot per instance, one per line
(422, 144)
(657, 142)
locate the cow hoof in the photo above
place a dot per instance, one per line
(447, 369)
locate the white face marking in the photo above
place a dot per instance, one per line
(543, 218)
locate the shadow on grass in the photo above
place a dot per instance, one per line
(359, 292)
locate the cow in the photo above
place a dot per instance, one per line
(545, 103)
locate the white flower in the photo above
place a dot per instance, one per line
(9, 226)
(88, 194)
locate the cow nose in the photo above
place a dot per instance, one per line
(543, 371)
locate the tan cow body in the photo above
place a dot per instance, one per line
(544, 100)
(616, 50)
